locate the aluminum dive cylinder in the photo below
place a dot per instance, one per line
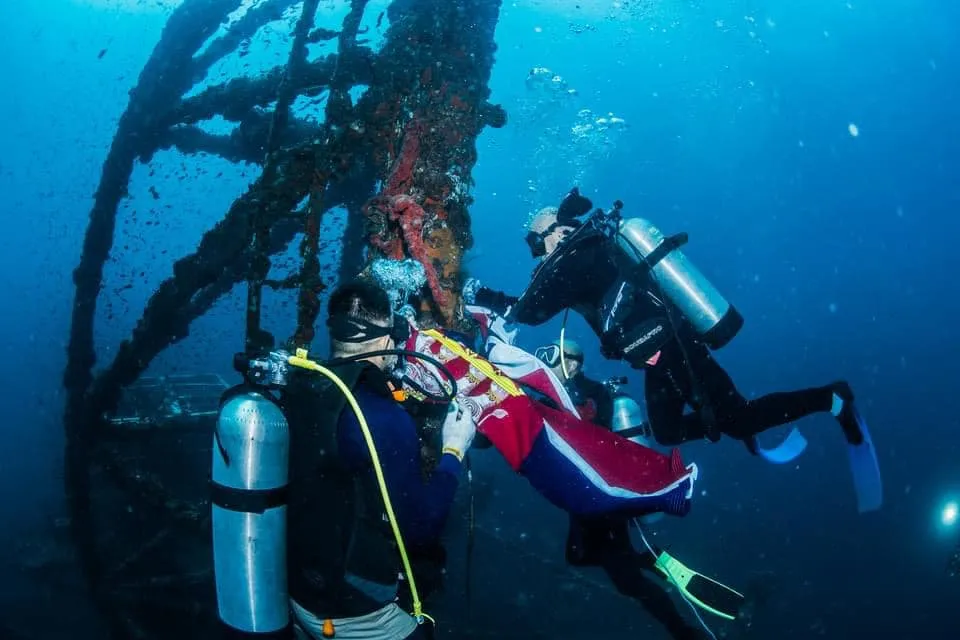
(714, 319)
(630, 421)
(249, 482)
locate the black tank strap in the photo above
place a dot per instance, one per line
(248, 500)
(642, 429)
(669, 244)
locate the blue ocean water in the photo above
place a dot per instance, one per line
(809, 149)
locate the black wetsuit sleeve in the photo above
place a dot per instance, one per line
(496, 301)
(575, 276)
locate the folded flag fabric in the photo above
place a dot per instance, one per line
(576, 465)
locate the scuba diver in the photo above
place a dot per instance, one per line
(591, 398)
(359, 513)
(604, 541)
(651, 307)
(342, 562)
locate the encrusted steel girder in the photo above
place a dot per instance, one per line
(413, 133)
(428, 120)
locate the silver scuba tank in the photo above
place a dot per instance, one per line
(630, 421)
(249, 478)
(714, 319)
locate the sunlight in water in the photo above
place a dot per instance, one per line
(145, 6)
(132, 6)
(948, 514)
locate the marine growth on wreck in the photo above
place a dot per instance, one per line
(398, 159)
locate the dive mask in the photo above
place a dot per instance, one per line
(550, 355)
(538, 241)
(346, 329)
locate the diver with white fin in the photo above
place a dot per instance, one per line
(654, 309)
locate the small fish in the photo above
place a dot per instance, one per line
(102, 53)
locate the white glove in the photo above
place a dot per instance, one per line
(458, 429)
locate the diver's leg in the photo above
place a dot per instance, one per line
(744, 419)
(626, 572)
(578, 551)
(591, 538)
(666, 391)
(609, 540)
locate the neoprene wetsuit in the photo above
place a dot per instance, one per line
(692, 376)
(589, 275)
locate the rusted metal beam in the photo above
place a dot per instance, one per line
(413, 132)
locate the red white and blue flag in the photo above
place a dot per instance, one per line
(578, 466)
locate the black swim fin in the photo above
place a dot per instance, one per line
(573, 206)
(845, 412)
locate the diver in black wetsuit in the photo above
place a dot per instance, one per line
(586, 267)
(605, 541)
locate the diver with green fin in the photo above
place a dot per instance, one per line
(651, 307)
(605, 541)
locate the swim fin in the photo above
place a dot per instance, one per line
(573, 206)
(862, 453)
(786, 451)
(865, 468)
(706, 593)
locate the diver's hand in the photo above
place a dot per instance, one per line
(459, 429)
(497, 301)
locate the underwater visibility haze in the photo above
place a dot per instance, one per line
(810, 150)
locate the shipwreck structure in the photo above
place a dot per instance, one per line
(398, 159)
(394, 147)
